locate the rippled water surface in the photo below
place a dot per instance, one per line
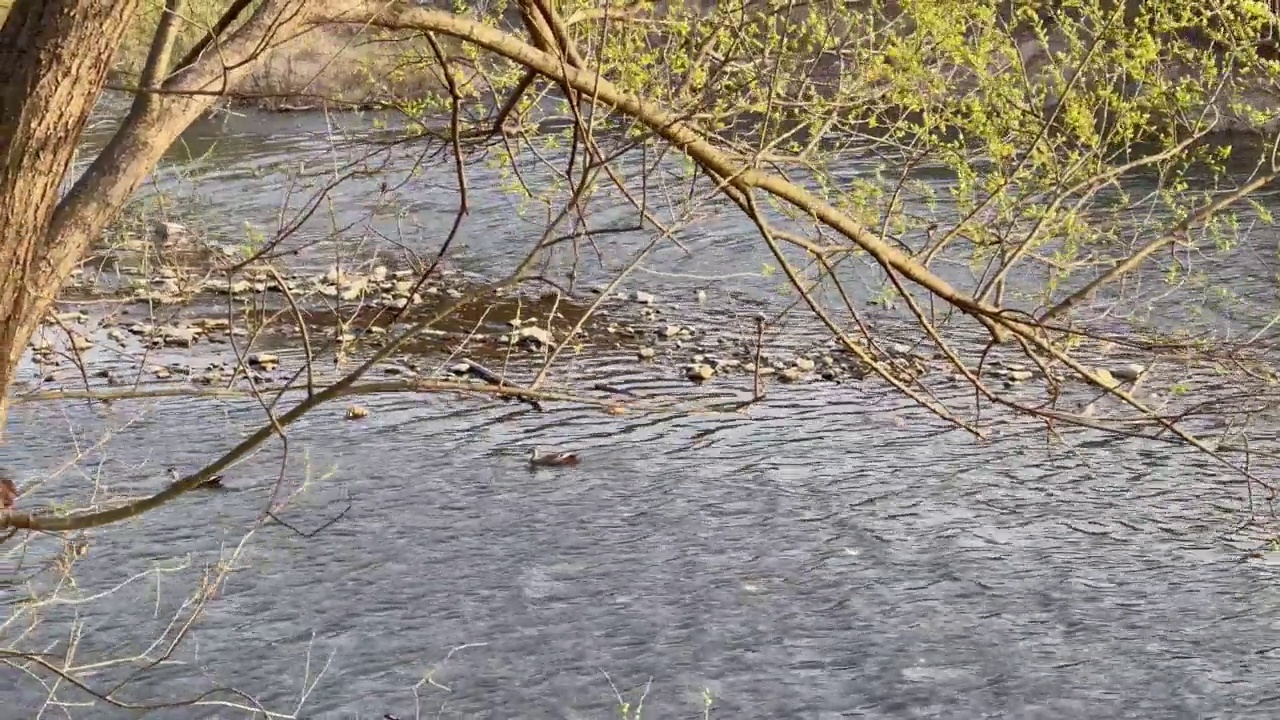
(833, 554)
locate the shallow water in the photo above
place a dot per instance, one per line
(834, 554)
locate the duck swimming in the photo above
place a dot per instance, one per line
(537, 459)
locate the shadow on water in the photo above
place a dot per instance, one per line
(817, 559)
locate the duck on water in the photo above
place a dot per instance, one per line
(553, 459)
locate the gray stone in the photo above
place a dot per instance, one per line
(1129, 372)
(643, 298)
(179, 337)
(71, 317)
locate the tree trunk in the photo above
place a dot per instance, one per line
(54, 58)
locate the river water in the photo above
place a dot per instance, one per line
(835, 554)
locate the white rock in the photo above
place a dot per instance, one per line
(537, 334)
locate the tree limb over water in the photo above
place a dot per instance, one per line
(1074, 148)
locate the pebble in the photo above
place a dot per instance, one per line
(646, 353)
(79, 343)
(643, 298)
(355, 412)
(804, 364)
(1020, 375)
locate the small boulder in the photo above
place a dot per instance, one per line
(355, 412)
(1105, 377)
(1129, 372)
(178, 337)
(172, 232)
(71, 317)
(646, 353)
(805, 364)
(1019, 375)
(791, 375)
(643, 298)
(700, 372)
(536, 334)
(266, 361)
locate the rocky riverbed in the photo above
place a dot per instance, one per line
(175, 309)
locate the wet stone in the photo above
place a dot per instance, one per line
(700, 373)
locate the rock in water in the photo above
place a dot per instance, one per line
(700, 373)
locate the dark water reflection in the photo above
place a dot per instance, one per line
(817, 559)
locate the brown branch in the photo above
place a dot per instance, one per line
(157, 66)
(1133, 261)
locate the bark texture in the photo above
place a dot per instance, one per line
(54, 57)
